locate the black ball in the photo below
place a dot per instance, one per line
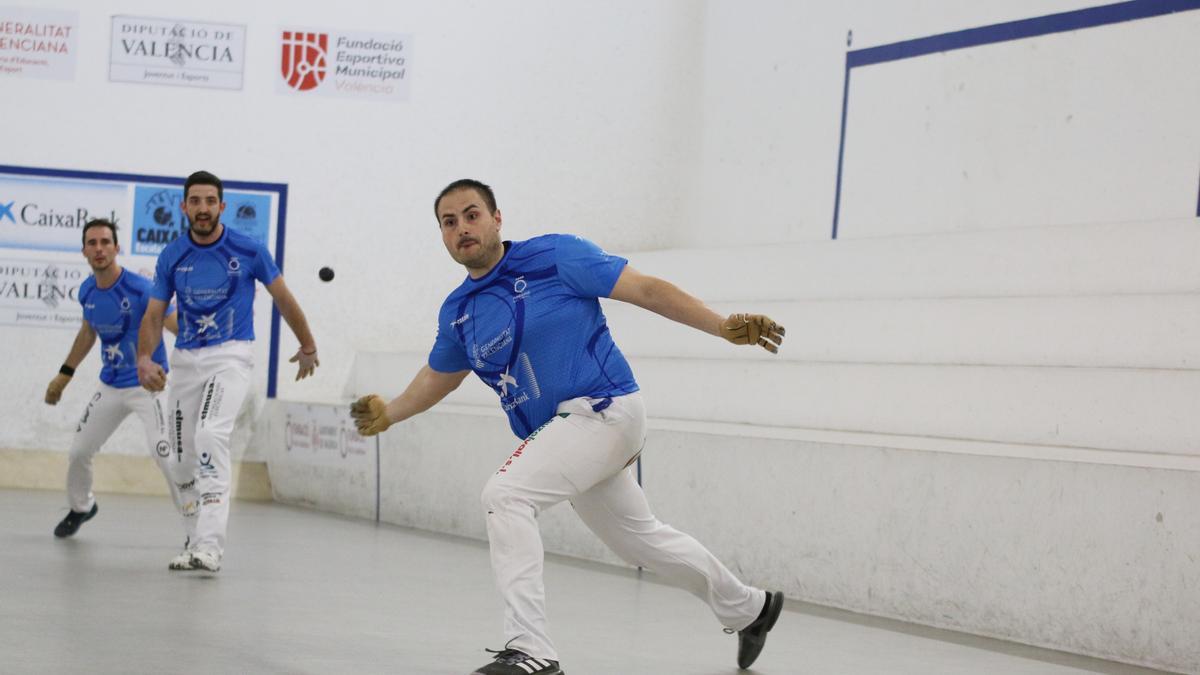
(326, 274)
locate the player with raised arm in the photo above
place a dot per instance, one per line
(527, 321)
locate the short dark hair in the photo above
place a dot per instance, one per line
(489, 197)
(204, 178)
(99, 222)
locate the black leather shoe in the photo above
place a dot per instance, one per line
(70, 524)
(752, 638)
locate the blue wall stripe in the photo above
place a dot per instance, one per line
(837, 195)
(280, 232)
(1198, 203)
(1018, 30)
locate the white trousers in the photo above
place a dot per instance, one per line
(584, 457)
(104, 413)
(208, 386)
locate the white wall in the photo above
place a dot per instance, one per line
(772, 102)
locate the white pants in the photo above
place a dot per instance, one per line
(104, 413)
(584, 457)
(208, 386)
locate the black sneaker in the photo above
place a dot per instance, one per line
(70, 524)
(752, 638)
(515, 662)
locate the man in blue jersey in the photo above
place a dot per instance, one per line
(113, 300)
(211, 273)
(527, 321)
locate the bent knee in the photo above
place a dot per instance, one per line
(503, 495)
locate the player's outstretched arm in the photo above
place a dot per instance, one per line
(151, 375)
(665, 298)
(290, 310)
(84, 339)
(372, 415)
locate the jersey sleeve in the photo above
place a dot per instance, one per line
(85, 290)
(164, 282)
(265, 269)
(447, 355)
(587, 269)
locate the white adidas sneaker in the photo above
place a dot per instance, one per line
(203, 560)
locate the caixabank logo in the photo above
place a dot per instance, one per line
(305, 59)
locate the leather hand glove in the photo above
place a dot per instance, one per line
(370, 415)
(753, 329)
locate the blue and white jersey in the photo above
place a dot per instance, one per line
(214, 286)
(533, 330)
(115, 313)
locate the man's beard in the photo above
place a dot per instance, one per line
(202, 227)
(482, 255)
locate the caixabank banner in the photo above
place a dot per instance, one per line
(157, 220)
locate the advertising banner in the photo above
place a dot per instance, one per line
(182, 53)
(325, 435)
(39, 43)
(39, 291)
(344, 64)
(157, 220)
(48, 213)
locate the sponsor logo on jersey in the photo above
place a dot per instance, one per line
(504, 382)
(205, 322)
(519, 286)
(113, 354)
(460, 320)
(495, 344)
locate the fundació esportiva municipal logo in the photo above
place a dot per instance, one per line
(305, 59)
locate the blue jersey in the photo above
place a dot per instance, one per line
(115, 313)
(532, 329)
(214, 286)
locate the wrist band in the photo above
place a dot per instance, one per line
(66, 370)
(308, 353)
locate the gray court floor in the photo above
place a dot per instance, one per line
(307, 592)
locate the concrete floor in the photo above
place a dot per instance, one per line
(308, 592)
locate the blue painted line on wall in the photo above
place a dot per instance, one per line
(273, 359)
(1079, 19)
(1019, 30)
(175, 181)
(837, 195)
(1198, 202)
